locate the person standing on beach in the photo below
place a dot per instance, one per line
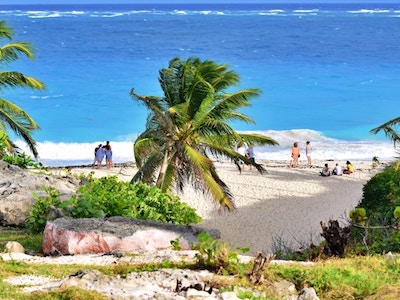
(108, 153)
(295, 155)
(95, 151)
(308, 153)
(250, 152)
(100, 156)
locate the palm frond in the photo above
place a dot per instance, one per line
(388, 129)
(14, 79)
(10, 52)
(5, 32)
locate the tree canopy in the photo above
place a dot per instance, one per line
(190, 125)
(13, 117)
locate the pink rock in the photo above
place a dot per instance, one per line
(81, 236)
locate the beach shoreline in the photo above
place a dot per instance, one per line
(281, 208)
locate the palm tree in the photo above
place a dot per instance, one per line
(389, 129)
(12, 116)
(189, 124)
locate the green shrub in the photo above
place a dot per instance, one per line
(381, 195)
(22, 160)
(107, 196)
(218, 256)
(376, 212)
(36, 221)
(118, 198)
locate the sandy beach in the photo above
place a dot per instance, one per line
(282, 207)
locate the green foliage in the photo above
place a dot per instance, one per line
(11, 115)
(118, 198)
(218, 256)
(175, 244)
(358, 215)
(107, 196)
(22, 160)
(36, 220)
(377, 211)
(381, 195)
(396, 212)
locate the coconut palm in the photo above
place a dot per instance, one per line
(12, 116)
(389, 129)
(190, 124)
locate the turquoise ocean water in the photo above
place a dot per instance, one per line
(328, 73)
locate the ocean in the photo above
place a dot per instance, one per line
(329, 73)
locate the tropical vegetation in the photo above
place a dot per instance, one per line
(389, 128)
(13, 117)
(190, 125)
(108, 196)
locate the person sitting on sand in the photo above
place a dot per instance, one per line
(295, 155)
(349, 168)
(325, 171)
(337, 170)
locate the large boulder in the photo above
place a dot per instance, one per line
(65, 236)
(18, 185)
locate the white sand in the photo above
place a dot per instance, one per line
(282, 207)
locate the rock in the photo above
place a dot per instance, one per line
(17, 187)
(159, 284)
(13, 247)
(82, 236)
(308, 294)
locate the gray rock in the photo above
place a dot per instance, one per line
(82, 236)
(308, 294)
(17, 187)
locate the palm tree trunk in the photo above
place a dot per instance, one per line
(163, 169)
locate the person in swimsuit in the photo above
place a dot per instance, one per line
(108, 152)
(295, 155)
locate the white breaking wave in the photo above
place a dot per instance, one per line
(324, 148)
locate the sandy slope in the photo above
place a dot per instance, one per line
(282, 206)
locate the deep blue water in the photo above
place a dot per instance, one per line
(328, 73)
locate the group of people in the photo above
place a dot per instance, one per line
(294, 162)
(337, 170)
(325, 170)
(100, 152)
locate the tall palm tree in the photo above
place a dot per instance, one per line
(12, 116)
(189, 124)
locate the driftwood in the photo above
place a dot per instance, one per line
(261, 262)
(336, 238)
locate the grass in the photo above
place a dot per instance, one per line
(368, 277)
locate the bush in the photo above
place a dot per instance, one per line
(376, 211)
(22, 160)
(381, 195)
(107, 196)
